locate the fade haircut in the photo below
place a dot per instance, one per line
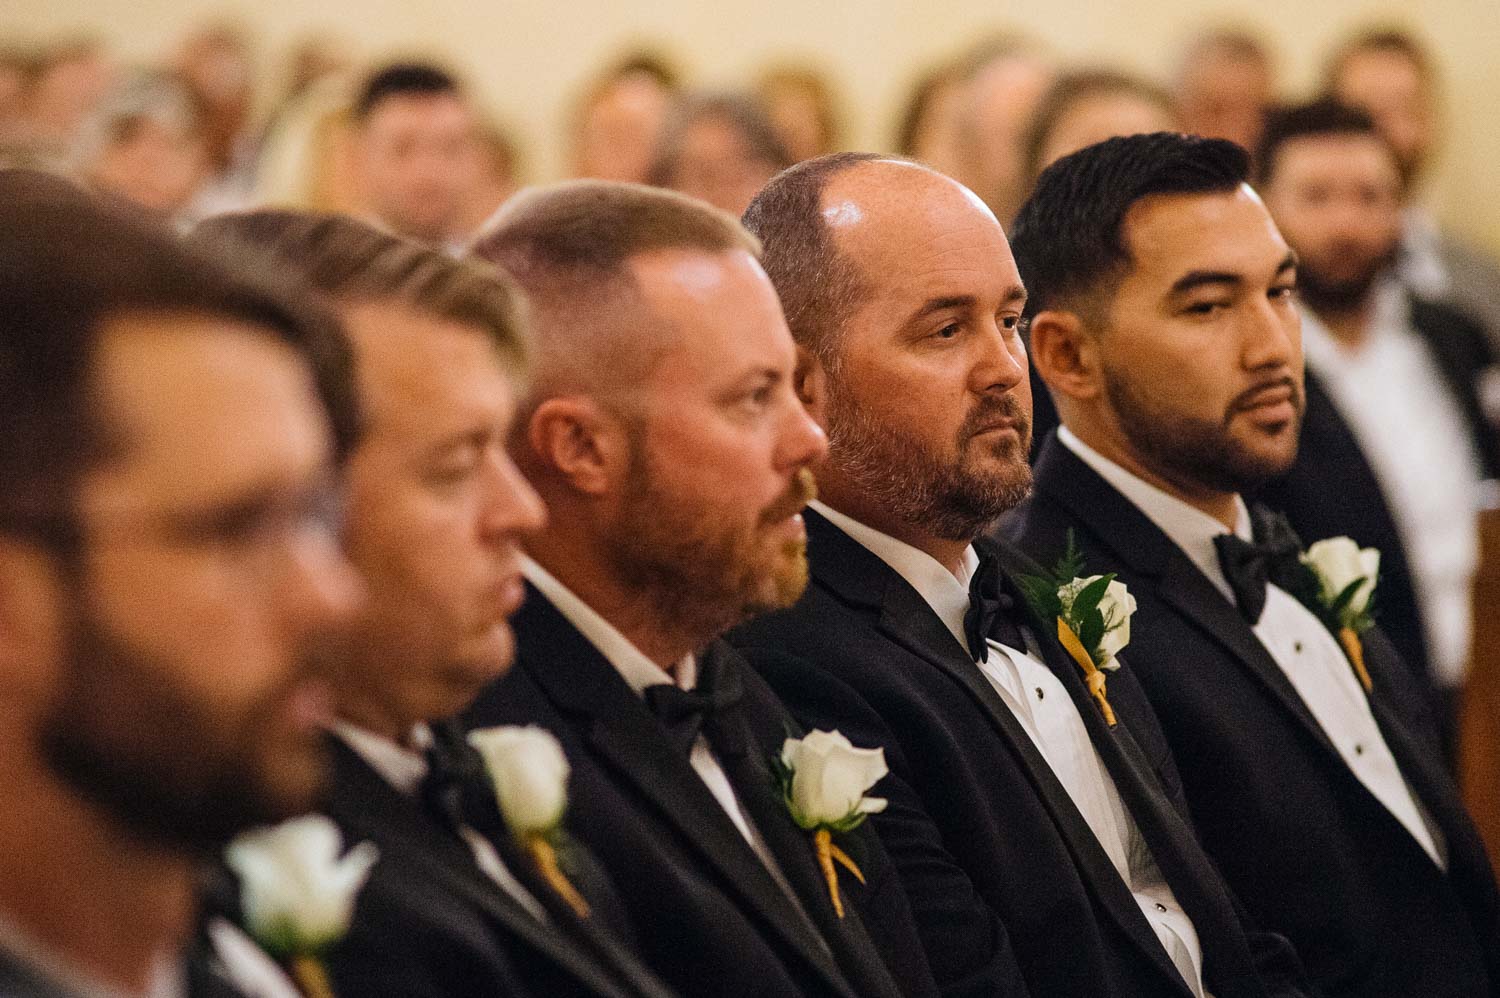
(1068, 238)
(350, 261)
(1311, 120)
(819, 286)
(403, 79)
(569, 246)
(68, 267)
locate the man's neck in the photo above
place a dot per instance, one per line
(856, 506)
(84, 890)
(637, 614)
(1112, 444)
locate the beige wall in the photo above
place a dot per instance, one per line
(528, 58)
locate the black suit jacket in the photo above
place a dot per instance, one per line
(429, 922)
(1331, 490)
(1305, 846)
(710, 916)
(1002, 870)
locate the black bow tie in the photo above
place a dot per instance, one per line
(990, 609)
(457, 790)
(684, 714)
(1249, 566)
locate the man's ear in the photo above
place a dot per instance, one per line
(577, 440)
(1065, 355)
(810, 380)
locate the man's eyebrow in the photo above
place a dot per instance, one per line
(1013, 295)
(1194, 279)
(1289, 262)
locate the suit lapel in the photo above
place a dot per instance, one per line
(372, 809)
(1141, 545)
(857, 574)
(581, 682)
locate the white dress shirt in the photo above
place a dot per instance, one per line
(404, 769)
(1041, 703)
(1307, 653)
(1413, 433)
(250, 968)
(639, 672)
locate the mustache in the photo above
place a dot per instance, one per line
(993, 410)
(802, 490)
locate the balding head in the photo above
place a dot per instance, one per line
(574, 249)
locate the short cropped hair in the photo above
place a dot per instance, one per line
(819, 286)
(1068, 237)
(1313, 119)
(403, 79)
(69, 266)
(348, 260)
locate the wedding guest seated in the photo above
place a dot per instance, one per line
(1163, 317)
(1035, 815)
(165, 569)
(663, 434)
(460, 901)
(719, 148)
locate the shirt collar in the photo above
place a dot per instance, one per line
(1189, 528)
(634, 667)
(947, 594)
(403, 768)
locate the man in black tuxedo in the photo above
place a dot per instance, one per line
(1030, 831)
(162, 574)
(455, 905)
(663, 433)
(1163, 319)
(1393, 393)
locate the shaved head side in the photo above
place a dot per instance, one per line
(570, 247)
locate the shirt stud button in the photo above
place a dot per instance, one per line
(1297, 647)
(1039, 694)
(1161, 907)
(1359, 750)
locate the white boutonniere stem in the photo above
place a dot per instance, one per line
(823, 780)
(530, 775)
(298, 894)
(1093, 618)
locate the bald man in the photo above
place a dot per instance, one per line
(1033, 821)
(663, 434)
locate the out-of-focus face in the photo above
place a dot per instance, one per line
(436, 514)
(1103, 116)
(797, 117)
(1201, 345)
(717, 164)
(417, 159)
(619, 130)
(928, 407)
(709, 519)
(1225, 97)
(938, 140)
(182, 700)
(1002, 98)
(1336, 199)
(156, 165)
(1393, 91)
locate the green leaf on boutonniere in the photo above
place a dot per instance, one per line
(1085, 616)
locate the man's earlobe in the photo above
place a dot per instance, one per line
(1064, 354)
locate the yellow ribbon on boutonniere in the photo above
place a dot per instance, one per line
(828, 854)
(1092, 674)
(1355, 649)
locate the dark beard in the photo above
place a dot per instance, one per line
(160, 765)
(1340, 296)
(898, 473)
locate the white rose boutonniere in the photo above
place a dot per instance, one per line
(530, 775)
(1093, 618)
(1343, 595)
(823, 779)
(298, 894)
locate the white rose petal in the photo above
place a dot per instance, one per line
(830, 777)
(292, 876)
(530, 773)
(1116, 606)
(1338, 561)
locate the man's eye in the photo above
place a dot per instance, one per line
(1010, 322)
(1282, 291)
(1206, 307)
(949, 331)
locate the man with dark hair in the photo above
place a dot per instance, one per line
(166, 565)
(1389, 73)
(1037, 825)
(416, 153)
(1393, 397)
(455, 905)
(1164, 321)
(662, 431)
